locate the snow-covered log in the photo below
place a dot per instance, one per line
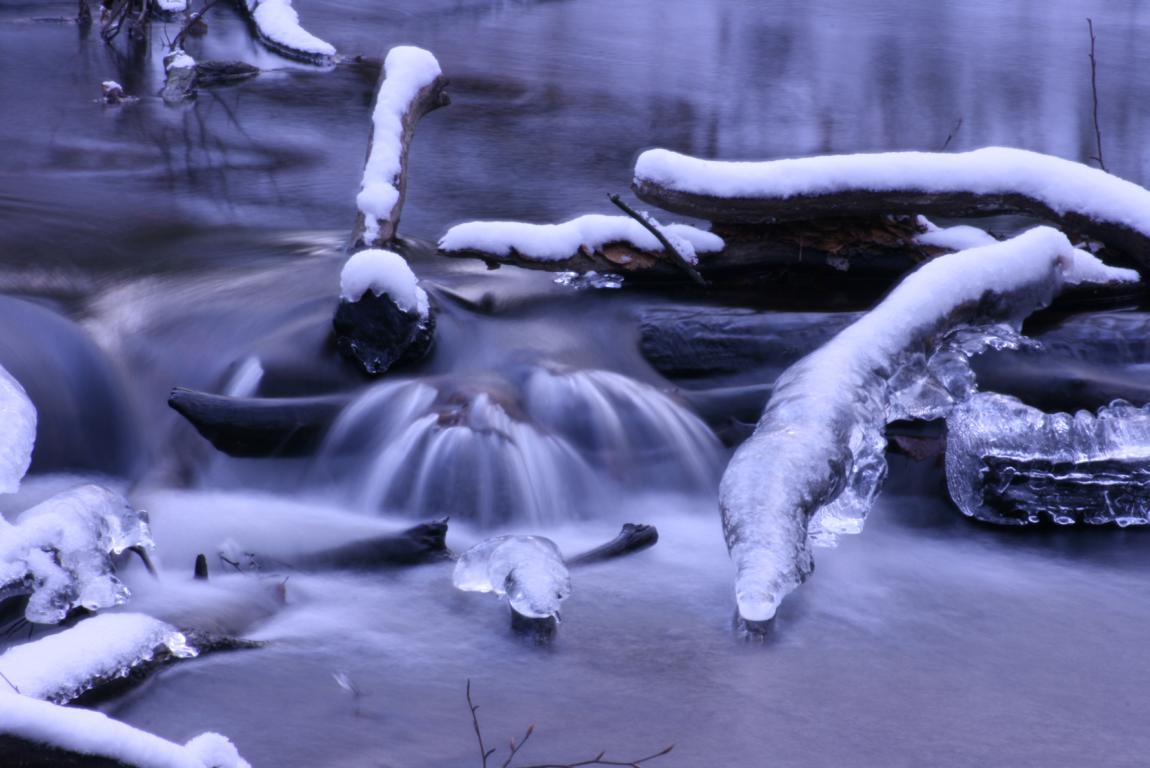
(98, 650)
(60, 552)
(593, 242)
(277, 26)
(990, 181)
(39, 733)
(816, 459)
(411, 85)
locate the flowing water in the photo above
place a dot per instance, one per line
(146, 246)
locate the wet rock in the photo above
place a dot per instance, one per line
(376, 334)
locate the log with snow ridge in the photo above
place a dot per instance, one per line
(411, 85)
(989, 181)
(277, 26)
(818, 448)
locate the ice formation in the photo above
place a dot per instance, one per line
(60, 552)
(278, 26)
(956, 238)
(382, 272)
(408, 70)
(557, 242)
(62, 666)
(17, 434)
(86, 732)
(815, 461)
(1062, 185)
(1012, 464)
(528, 570)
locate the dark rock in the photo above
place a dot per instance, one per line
(375, 334)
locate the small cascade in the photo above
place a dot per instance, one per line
(540, 446)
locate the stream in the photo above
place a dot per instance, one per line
(145, 246)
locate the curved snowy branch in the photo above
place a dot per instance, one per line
(818, 448)
(277, 26)
(411, 85)
(989, 181)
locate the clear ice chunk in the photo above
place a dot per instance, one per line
(60, 552)
(17, 432)
(1012, 464)
(528, 570)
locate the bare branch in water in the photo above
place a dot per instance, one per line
(1094, 93)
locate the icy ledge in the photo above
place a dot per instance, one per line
(412, 86)
(984, 181)
(1012, 464)
(818, 450)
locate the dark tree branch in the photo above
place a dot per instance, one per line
(178, 40)
(952, 134)
(679, 259)
(484, 752)
(1094, 94)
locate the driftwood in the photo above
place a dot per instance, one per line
(632, 538)
(429, 98)
(424, 543)
(255, 427)
(869, 204)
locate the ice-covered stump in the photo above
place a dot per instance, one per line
(989, 181)
(411, 85)
(40, 733)
(815, 461)
(180, 75)
(101, 649)
(593, 242)
(527, 570)
(1012, 464)
(17, 434)
(383, 317)
(60, 552)
(277, 26)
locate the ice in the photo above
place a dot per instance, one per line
(528, 570)
(279, 24)
(815, 461)
(557, 242)
(86, 732)
(407, 70)
(592, 279)
(17, 433)
(382, 272)
(60, 552)
(62, 666)
(1009, 463)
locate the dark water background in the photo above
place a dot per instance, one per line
(184, 238)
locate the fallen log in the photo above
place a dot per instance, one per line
(992, 181)
(411, 85)
(255, 427)
(276, 25)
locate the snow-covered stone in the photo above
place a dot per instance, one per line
(382, 272)
(17, 432)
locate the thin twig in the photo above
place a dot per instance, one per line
(599, 760)
(516, 747)
(1094, 93)
(178, 40)
(952, 134)
(9, 682)
(671, 250)
(484, 752)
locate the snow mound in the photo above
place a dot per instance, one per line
(278, 23)
(382, 272)
(18, 435)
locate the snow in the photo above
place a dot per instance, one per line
(279, 23)
(178, 60)
(956, 238)
(557, 242)
(62, 550)
(1063, 185)
(816, 456)
(62, 666)
(408, 70)
(93, 733)
(172, 6)
(17, 433)
(527, 569)
(382, 272)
